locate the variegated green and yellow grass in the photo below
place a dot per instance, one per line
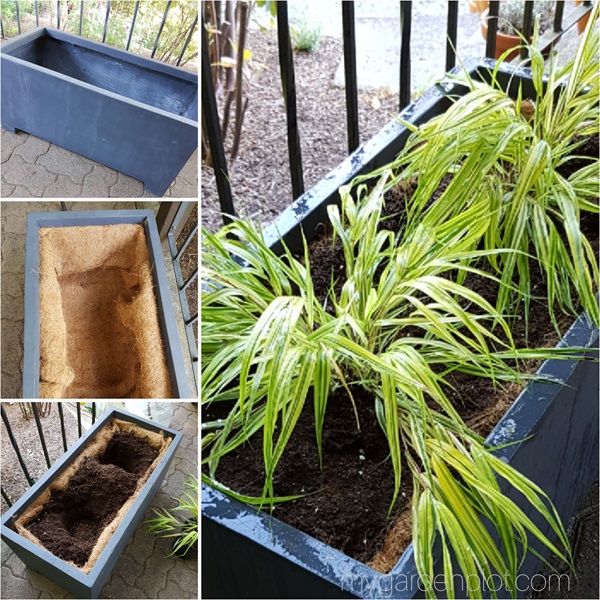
(167, 524)
(403, 319)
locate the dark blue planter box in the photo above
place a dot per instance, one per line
(133, 114)
(166, 316)
(250, 555)
(72, 579)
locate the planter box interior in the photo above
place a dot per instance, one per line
(553, 428)
(133, 114)
(101, 331)
(161, 90)
(73, 524)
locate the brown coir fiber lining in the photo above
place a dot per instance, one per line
(99, 331)
(96, 448)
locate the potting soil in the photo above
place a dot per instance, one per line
(99, 330)
(76, 516)
(72, 520)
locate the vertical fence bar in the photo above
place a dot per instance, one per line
(79, 418)
(37, 14)
(93, 412)
(160, 29)
(188, 239)
(405, 26)
(62, 425)
(492, 32)
(18, 17)
(527, 25)
(286, 65)
(135, 12)
(11, 437)
(452, 34)
(6, 497)
(348, 25)
(187, 41)
(80, 16)
(57, 14)
(1, 26)
(559, 11)
(106, 22)
(210, 118)
(41, 432)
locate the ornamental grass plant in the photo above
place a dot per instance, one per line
(403, 319)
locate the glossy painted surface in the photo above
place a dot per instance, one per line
(130, 113)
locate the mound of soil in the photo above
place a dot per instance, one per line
(72, 520)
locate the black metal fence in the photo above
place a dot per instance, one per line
(171, 219)
(131, 28)
(36, 414)
(211, 121)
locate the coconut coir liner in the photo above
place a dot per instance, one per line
(103, 458)
(99, 330)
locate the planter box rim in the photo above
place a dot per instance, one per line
(103, 48)
(58, 467)
(361, 160)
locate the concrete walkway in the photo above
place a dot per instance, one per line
(34, 168)
(143, 571)
(13, 225)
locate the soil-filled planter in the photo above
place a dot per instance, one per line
(136, 115)
(73, 524)
(552, 429)
(99, 322)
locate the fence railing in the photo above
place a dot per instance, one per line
(171, 219)
(36, 415)
(211, 121)
(82, 3)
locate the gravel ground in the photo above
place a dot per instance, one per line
(26, 434)
(260, 176)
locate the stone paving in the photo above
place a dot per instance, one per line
(34, 168)
(143, 570)
(13, 225)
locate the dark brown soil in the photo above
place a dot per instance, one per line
(72, 520)
(346, 503)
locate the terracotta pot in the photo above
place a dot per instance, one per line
(505, 42)
(581, 24)
(477, 6)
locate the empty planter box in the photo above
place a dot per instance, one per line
(74, 523)
(136, 115)
(99, 321)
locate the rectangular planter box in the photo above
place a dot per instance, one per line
(71, 578)
(133, 114)
(250, 555)
(166, 317)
